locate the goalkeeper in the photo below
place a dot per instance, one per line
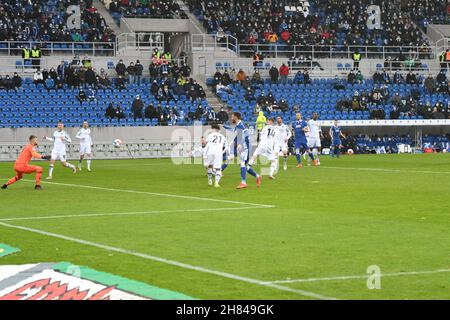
(22, 166)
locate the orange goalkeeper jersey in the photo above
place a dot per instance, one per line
(28, 152)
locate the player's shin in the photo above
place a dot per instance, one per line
(210, 174)
(50, 170)
(218, 176)
(273, 167)
(12, 180)
(298, 156)
(38, 176)
(251, 171)
(243, 173)
(88, 161)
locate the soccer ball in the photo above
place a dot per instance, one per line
(117, 143)
(350, 152)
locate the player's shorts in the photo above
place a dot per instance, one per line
(57, 155)
(265, 151)
(314, 142)
(244, 155)
(214, 159)
(27, 169)
(336, 143)
(301, 145)
(282, 146)
(85, 148)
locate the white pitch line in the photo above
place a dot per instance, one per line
(126, 213)
(387, 170)
(172, 262)
(397, 274)
(158, 194)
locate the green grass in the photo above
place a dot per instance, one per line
(336, 220)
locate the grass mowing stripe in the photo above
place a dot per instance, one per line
(172, 262)
(157, 194)
(397, 274)
(127, 213)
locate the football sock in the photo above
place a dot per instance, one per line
(252, 172)
(50, 171)
(218, 175)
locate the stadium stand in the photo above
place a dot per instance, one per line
(74, 92)
(425, 12)
(44, 21)
(385, 96)
(161, 9)
(315, 22)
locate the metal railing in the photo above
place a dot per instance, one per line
(140, 41)
(14, 48)
(337, 52)
(207, 42)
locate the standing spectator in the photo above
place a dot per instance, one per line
(120, 68)
(356, 59)
(260, 124)
(273, 72)
(284, 73)
(26, 53)
(130, 71)
(36, 54)
(138, 69)
(89, 77)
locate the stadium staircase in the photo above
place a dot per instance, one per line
(107, 15)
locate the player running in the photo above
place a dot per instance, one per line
(315, 134)
(242, 144)
(336, 144)
(282, 136)
(266, 148)
(216, 143)
(300, 128)
(60, 138)
(21, 166)
(84, 134)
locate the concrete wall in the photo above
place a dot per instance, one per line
(154, 25)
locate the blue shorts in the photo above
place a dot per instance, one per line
(336, 143)
(301, 145)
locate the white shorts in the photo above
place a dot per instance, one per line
(314, 142)
(281, 146)
(85, 149)
(214, 159)
(265, 151)
(58, 155)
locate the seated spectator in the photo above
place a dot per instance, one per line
(82, 97)
(137, 108)
(17, 81)
(110, 112)
(38, 77)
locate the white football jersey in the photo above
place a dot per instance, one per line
(314, 128)
(216, 143)
(60, 139)
(85, 136)
(267, 136)
(283, 133)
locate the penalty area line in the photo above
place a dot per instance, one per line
(127, 213)
(169, 195)
(172, 262)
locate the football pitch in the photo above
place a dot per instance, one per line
(312, 233)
